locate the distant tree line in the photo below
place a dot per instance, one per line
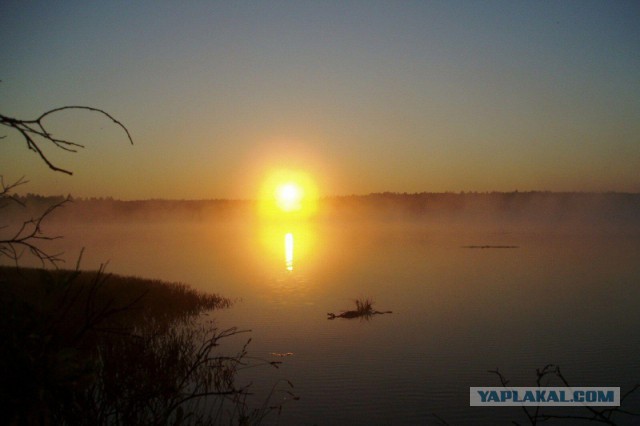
(595, 211)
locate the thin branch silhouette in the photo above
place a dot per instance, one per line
(35, 132)
(27, 236)
(6, 191)
(536, 416)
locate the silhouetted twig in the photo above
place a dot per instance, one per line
(30, 233)
(440, 420)
(6, 191)
(536, 416)
(34, 132)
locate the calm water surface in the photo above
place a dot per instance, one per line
(570, 299)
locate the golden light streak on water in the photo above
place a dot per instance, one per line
(288, 250)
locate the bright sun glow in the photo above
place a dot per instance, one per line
(289, 197)
(288, 194)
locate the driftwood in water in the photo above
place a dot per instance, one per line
(355, 314)
(364, 309)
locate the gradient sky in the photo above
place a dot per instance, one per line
(366, 96)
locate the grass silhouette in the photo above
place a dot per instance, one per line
(91, 348)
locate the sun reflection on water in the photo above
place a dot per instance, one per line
(288, 250)
(287, 253)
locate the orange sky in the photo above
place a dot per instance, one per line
(364, 96)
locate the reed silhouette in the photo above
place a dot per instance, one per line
(537, 415)
(89, 348)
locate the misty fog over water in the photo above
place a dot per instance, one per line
(475, 282)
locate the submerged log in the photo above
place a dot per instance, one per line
(355, 314)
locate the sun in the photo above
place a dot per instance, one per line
(289, 197)
(288, 194)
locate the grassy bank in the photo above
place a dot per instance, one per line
(143, 298)
(92, 348)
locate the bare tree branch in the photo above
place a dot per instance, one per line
(26, 239)
(34, 132)
(596, 415)
(6, 190)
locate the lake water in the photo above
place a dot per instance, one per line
(567, 298)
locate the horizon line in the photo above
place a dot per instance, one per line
(325, 197)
